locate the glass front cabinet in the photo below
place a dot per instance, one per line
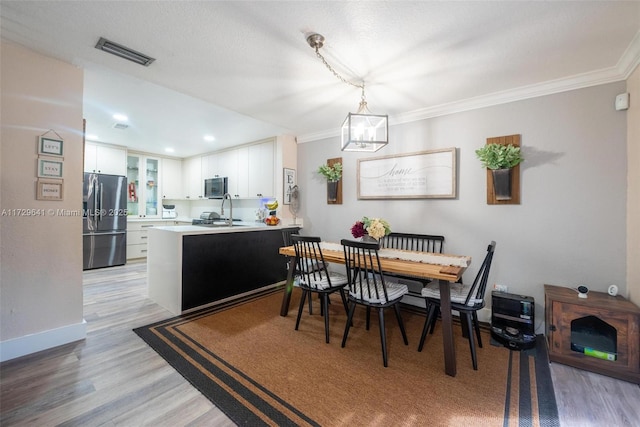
(142, 190)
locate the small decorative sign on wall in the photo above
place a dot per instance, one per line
(50, 146)
(421, 175)
(49, 168)
(49, 189)
(289, 181)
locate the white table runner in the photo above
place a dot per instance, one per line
(425, 257)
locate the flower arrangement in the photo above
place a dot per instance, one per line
(374, 227)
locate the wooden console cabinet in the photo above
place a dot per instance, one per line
(563, 306)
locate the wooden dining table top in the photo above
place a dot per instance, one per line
(399, 266)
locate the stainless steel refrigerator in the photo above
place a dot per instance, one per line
(104, 222)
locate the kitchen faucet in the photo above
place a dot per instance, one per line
(227, 196)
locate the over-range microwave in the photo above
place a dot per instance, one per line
(215, 188)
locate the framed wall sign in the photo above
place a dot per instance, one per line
(50, 146)
(421, 175)
(49, 168)
(288, 183)
(48, 189)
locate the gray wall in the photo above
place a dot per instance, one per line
(570, 226)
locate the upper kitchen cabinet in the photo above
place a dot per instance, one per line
(142, 194)
(261, 169)
(192, 180)
(228, 166)
(99, 158)
(171, 179)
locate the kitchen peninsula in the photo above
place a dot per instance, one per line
(191, 266)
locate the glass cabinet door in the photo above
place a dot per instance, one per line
(133, 188)
(151, 190)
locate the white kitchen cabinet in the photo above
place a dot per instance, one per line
(143, 175)
(210, 166)
(100, 158)
(137, 237)
(261, 169)
(192, 181)
(228, 166)
(171, 179)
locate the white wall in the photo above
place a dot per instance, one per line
(570, 226)
(41, 254)
(633, 190)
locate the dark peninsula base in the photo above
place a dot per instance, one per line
(217, 266)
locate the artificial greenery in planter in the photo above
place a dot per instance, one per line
(498, 156)
(333, 173)
(500, 159)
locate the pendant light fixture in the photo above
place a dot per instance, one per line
(361, 131)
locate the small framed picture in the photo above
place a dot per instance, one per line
(289, 182)
(49, 168)
(50, 146)
(49, 189)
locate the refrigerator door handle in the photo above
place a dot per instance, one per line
(95, 202)
(100, 215)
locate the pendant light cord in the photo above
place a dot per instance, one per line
(335, 73)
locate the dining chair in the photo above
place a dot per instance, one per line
(315, 277)
(286, 238)
(413, 242)
(466, 299)
(367, 287)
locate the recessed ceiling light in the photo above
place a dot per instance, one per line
(169, 150)
(209, 138)
(91, 136)
(120, 117)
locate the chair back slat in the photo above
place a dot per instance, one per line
(479, 286)
(363, 270)
(413, 242)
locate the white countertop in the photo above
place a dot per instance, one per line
(239, 227)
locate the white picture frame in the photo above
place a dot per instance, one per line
(288, 182)
(420, 175)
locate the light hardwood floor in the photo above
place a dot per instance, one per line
(112, 378)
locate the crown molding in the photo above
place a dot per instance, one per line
(623, 69)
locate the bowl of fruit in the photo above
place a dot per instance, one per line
(272, 220)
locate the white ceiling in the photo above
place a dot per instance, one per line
(243, 71)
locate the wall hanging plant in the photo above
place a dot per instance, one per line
(332, 171)
(502, 157)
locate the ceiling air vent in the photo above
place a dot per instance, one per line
(120, 125)
(124, 52)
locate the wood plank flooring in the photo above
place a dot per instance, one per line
(114, 379)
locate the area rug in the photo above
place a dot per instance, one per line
(252, 364)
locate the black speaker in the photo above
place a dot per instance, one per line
(512, 320)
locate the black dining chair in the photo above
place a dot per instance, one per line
(316, 278)
(466, 299)
(367, 287)
(413, 242)
(286, 239)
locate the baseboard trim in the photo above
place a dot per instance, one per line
(32, 343)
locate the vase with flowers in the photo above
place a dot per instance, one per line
(370, 228)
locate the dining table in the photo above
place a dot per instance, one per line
(444, 268)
